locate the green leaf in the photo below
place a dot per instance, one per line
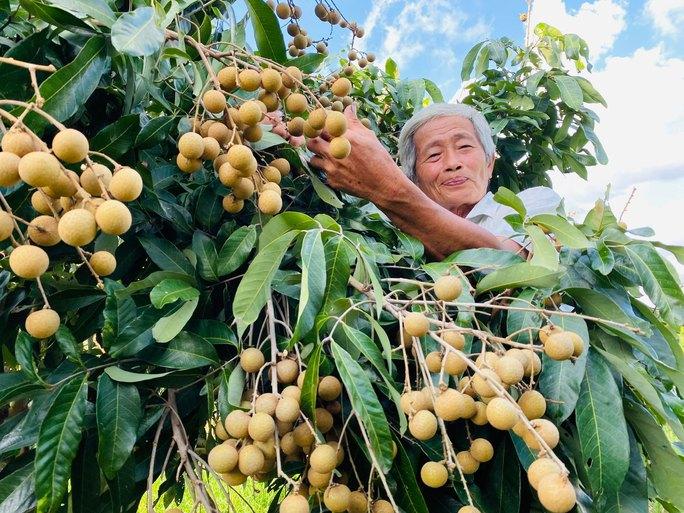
(185, 351)
(55, 16)
(366, 406)
(255, 286)
(98, 10)
(168, 327)
(23, 349)
(58, 440)
(391, 68)
(483, 258)
(126, 330)
(16, 82)
(216, 332)
(602, 430)
(469, 62)
(310, 385)
(591, 95)
(67, 343)
(17, 490)
(404, 471)
(313, 284)
(124, 376)
(365, 345)
(167, 256)
(338, 269)
(434, 91)
(519, 275)
(308, 63)
(544, 254)
(151, 280)
(517, 320)
(503, 480)
(509, 198)
(285, 222)
(482, 61)
(236, 249)
(137, 33)
(633, 495)
(571, 92)
(116, 139)
(67, 90)
(118, 412)
(207, 258)
(566, 233)
(324, 192)
(155, 131)
(269, 37)
(14, 385)
(560, 381)
(170, 290)
(230, 391)
(85, 476)
(601, 258)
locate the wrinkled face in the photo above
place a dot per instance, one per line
(451, 166)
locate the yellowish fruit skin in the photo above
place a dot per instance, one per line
(89, 178)
(358, 501)
(482, 450)
(113, 217)
(250, 460)
(228, 77)
(287, 409)
(509, 369)
(329, 388)
(232, 205)
(39, 169)
(28, 262)
(287, 371)
(70, 146)
(416, 324)
(6, 225)
(336, 498)
(340, 147)
(533, 404)
(448, 288)
(341, 87)
(382, 506)
(42, 323)
(539, 469)
(237, 424)
(77, 227)
(126, 184)
(223, 458)
(9, 168)
(556, 493)
(294, 503)
(18, 142)
(214, 101)
(250, 112)
(249, 80)
(191, 145)
(251, 359)
(501, 413)
(546, 429)
(559, 346)
(234, 478)
(433, 474)
(469, 465)
(335, 124)
(103, 263)
(323, 459)
(281, 165)
(423, 425)
(270, 202)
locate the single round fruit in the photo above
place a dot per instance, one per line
(42, 323)
(42, 230)
(28, 261)
(468, 509)
(455, 363)
(251, 359)
(7, 226)
(303, 436)
(340, 147)
(220, 431)
(270, 202)
(480, 416)
(250, 460)
(103, 263)
(188, 165)
(559, 346)
(231, 204)
(317, 479)
(77, 227)
(548, 330)
(261, 427)
(482, 382)
(9, 168)
(43, 204)
(448, 288)
(271, 80)
(294, 503)
(468, 464)
(546, 429)
(423, 425)
(94, 177)
(281, 165)
(317, 118)
(17, 141)
(287, 409)
(341, 87)
(250, 113)
(240, 157)
(336, 498)
(482, 450)
(434, 475)
(335, 123)
(191, 145)
(70, 146)
(533, 404)
(64, 186)
(382, 506)
(214, 101)
(228, 175)
(533, 366)
(265, 403)
(287, 371)
(509, 369)
(272, 175)
(212, 148)
(249, 80)
(416, 324)
(486, 360)
(556, 493)
(237, 424)
(223, 458)
(577, 343)
(324, 420)
(113, 217)
(292, 77)
(539, 469)
(329, 388)
(296, 103)
(413, 401)
(126, 184)
(234, 478)
(39, 169)
(323, 459)
(283, 10)
(448, 405)
(358, 501)
(220, 132)
(227, 77)
(501, 413)
(454, 338)
(433, 361)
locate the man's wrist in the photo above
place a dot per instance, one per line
(393, 189)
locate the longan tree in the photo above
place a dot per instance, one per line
(187, 307)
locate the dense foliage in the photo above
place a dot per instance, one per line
(135, 385)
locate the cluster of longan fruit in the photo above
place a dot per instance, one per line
(72, 207)
(249, 436)
(476, 398)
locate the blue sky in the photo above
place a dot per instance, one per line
(637, 48)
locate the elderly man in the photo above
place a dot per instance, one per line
(439, 195)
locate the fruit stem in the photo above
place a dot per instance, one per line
(106, 157)
(8, 209)
(100, 285)
(34, 107)
(42, 293)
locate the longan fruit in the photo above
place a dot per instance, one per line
(559, 346)
(329, 388)
(191, 145)
(227, 77)
(220, 132)
(480, 416)
(214, 101)
(556, 493)
(292, 77)
(42, 230)
(271, 100)
(341, 87)
(223, 458)
(335, 123)
(481, 382)
(250, 113)
(250, 460)
(188, 165)
(287, 371)
(251, 359)
(416, 324)
(433, 474)
(91, 177)
(271, 80)
(296, 103)
(323, 459)
(324, 420)
(532, 404)
(381, 505)
(546, 429)
(237, 424)
(468, 464)
(423, 425)
(272, 174)
(42, 323)
(336, 498)
(253, 133)
(454, 338)
(270, 186)
(77, 227)
(267, 447)
(292, 391)
(228, 175)
(318, 479)
(337, 106)
(63, 186)
(577, 343)
(7, 226)
(220, 431)
(311, 132)
(41, 203)
(288, 444)
(433, 361)
(234, 478)
(468, 509)
(70, 146)
(243, 189)
(219, 161)
(28, 261)
(486, 360)
(501, 413)
(212, 148)
(482, 450)
(533, 366)
(283, 10)
(547, 330)
(300, 41)
(448, 288)
(317, 118)
(39, 169)
(287, 409)
(266, 403)
(113, 217)
(358, 501)
(340, 147)
(126, 184)
(509, 369)
(249, 80)
(303, 436)
(9, 168)
(455, 363)
(17, 141)
(103, 263)
(295, 126)
(261, 426)
(294, 503)
(539, 469)
(240, 157)
(446, 405)
(231, 204)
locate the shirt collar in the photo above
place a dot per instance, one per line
(483, 207)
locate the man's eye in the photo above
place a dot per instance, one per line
(465, 146)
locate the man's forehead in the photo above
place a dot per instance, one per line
(444, 128)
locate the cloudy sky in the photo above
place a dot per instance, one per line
(637, 49)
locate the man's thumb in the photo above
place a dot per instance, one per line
(350, 112)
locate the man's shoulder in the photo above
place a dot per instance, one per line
(537, 200)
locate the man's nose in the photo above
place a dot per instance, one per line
(452, 160)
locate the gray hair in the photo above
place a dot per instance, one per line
(407, 148)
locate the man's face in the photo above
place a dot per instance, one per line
(451, 167)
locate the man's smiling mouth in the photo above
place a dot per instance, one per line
(460, 180)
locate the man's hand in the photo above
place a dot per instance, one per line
(367, 172)
(280, 128)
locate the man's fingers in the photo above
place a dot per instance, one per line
(320, 162)
(318, 146)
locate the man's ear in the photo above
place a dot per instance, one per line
(490, 166)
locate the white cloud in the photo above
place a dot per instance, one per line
(377, 11)
(598, 22)
(667, 15)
